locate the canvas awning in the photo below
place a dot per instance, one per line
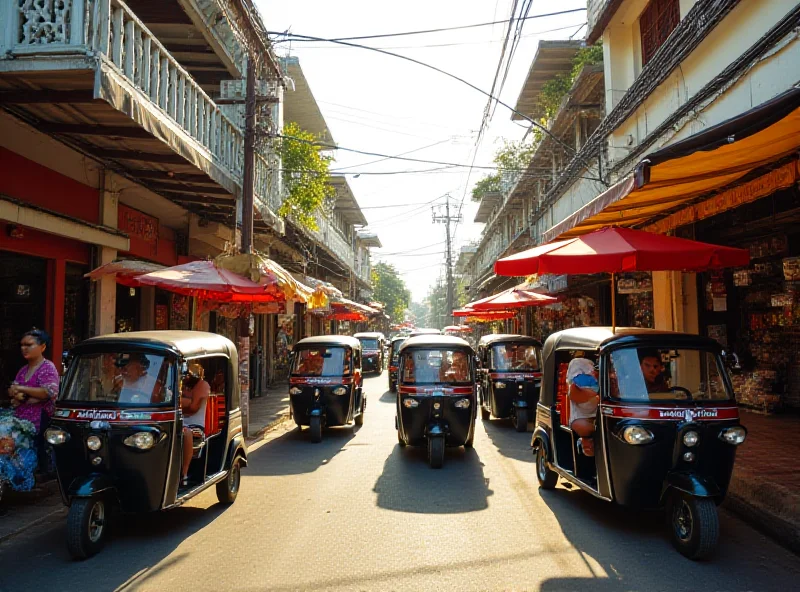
(735, 151)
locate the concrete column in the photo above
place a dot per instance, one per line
(106, 287)
(147, 308)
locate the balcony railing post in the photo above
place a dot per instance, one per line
(146, 45)
(77, 34)
(180, 111)
(155, 60)
(173, 92)
(117, 36)
(163, 83)
(130, 48)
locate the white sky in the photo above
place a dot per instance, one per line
(382, 104)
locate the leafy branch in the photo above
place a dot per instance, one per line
(554, 90)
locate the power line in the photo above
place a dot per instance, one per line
(426, 31)
(396, 155)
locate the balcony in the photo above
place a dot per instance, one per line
(333, 241)
(90, 73)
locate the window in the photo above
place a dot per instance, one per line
(672, 375)
(423, 366)
(658, 20)
(120, 377)
(322, 361)
(515, 356)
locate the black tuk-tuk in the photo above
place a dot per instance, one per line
(117, 427)
(394, 353)
(666, 427)
(509, 376)
(436, 394)
(372, 347)
(325, 384)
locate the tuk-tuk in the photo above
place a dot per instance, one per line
(117, 430)
(394, 353)
(509, 376)
(666, 426)
(325, 383)
(436, 395)
(372, 347)
(424, 331)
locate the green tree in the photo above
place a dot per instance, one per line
(306, 176)
(388, 287)
(512, 156)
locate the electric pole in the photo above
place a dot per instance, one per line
(446, 219)
(249, 156)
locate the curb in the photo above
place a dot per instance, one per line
(31, 524)
(768, 507)
(282, 417)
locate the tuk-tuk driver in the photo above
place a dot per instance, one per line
(583, 400)
(652, 371)
(194, 399)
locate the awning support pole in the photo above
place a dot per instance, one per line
(613, 302)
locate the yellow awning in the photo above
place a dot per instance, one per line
(667, 180)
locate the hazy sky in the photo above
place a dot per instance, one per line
(381, 104)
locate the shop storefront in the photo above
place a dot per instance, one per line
(755, 311)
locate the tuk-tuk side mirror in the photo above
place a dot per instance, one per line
(65, 361)
(184, 368)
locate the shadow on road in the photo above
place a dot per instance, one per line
(293, 453)
(608, 533)
(388, 397)
(508, 441)
(137, 543)
(408, 484)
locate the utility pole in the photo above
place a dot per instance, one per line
(446, 219)
(249, 156)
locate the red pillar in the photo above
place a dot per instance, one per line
(59, 273)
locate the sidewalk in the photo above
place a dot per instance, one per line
(765, 488)
(18, 511)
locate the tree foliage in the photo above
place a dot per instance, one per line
(306, 176)
(512, 156)
(554, 90)
(388, 287)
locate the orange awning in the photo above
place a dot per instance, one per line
(665, 181)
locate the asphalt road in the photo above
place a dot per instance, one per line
(357, 512)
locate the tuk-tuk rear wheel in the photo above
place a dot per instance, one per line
(436, 452)
(315, 427)
(87, 525)
(359, 419)
(228, 488)
(693, 525)
(547, 478)
(400, 439)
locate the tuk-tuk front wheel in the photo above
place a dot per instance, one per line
(693, 525)
(436, 452)
(87, 526)
(547, 478)
(315, 427)
(359, 419)
(228, 488)
(521, 419)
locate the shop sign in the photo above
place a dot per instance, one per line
(137, 224)
(780, 178)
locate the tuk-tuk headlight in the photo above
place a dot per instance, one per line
(295, 390)
(140, 440)
(499, 385)
(691, 438)
(56, 436)
(94, 443)
(340, 390)
(462, 404)
(410, 403)
(636, 435)
(735, 435)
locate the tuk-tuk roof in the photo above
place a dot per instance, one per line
(601, 337)
(331, 340)
(399, 337)
(185, 343)
(369, 335)
(425, 331)
(434, 341)
(507, 337)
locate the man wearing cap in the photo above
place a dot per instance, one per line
(583, 401)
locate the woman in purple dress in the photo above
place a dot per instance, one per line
(35, 388)
(33, 396)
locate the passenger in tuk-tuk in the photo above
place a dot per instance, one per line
(194, 399)
(583, 400)
(457, 370)
(311, 364)
(653, 371)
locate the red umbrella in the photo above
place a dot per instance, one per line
(614, 250)
(202, 279)
(515, 297)
(486, 315)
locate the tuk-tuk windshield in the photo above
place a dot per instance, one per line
(396, 348)
(429, 366)
(369, 343)
(515, 356)
(655, 374)
(120, 378)
(322, 361)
